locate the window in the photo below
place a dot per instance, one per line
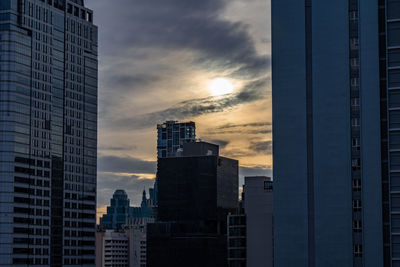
(355, 143)
(354, 62)
(354, 43)
(355, 82)
(355, 164)
(357, 185)
(355, 102)
(357, 250)
(353, 16)
(355, 122)
(357, 205)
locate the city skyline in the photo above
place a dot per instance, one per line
(157, 77)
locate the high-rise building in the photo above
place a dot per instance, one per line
(335, 116)
(196, 191)
(171, 135)
(48, 133)
(120, 213)
(258, 202)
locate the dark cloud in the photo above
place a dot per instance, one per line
(264, 147)
(125, 81)
(222, 143)
(116, 148)
(178, 25)
(253, 91)
(244, 125)
(125, 165)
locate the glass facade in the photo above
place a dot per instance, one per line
(48, 133)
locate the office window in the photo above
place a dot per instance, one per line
(355, 122)
(357, 185)
(355, 102)
(357, 250)
(354, 43)
(357, 226)
(357, 205)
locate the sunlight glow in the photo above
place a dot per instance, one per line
(220, 86)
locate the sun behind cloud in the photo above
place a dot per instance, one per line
(221, 86)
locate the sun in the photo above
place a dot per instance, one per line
(220, 86)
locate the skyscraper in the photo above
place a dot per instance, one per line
(328, 132)
(48, 133)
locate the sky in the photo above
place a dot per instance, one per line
(157, 60)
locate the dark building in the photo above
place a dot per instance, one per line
(336, 108)
(195, 194)
(237, 239)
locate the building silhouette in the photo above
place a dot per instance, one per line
(335, 128)
(120, 213)
(196, 191)
(48, 133)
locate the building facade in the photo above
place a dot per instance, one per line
(329, 139)
(236, 233)
(123, 248)
(196, 192)
(171, 135)
(114, 249)
(258, 207)
(48, 133)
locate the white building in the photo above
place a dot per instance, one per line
(124, 248)
(258, 207)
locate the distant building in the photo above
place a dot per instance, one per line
(113, 249)
(196, 191)
(137, 244)
(171, 135)
(120, 213)
(258, 206)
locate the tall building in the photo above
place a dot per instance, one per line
(171, 135)
(196, 191)
(48, 133)
(258, 202)
(120, 213)
(335, 123)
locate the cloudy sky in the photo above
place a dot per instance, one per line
(157, 60)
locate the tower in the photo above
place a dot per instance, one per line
(48, 133)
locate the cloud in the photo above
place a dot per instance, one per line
(116, 148)
(125, 165)
(129, 81)
(244, 125)
(253, 91)
(179, 25)
(222, 143)
(264, 147)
